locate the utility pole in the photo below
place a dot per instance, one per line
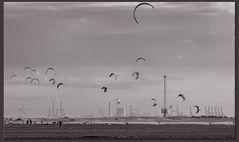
(165, 93)
(109, 109)
(53, 109)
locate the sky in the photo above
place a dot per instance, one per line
(192, 43)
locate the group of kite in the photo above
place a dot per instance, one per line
(134, 74)
(52, 76)
(32, 76)
(195, 106)
(115, 77)
(170, 108)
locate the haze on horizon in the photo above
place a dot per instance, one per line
(192, 43)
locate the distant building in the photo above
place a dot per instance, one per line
(134, 112)
(120, 112)
(57, 112)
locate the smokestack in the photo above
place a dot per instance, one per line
(222, 112)
(124, 112)
(49, 112)
(215, 111)
(109, 109)
(212, 111)
(165, 95)
(53, 109)
(130, 111)
(206, 114)
(177, 110)
(57, 112)
(218, 110)
(208, 111)
(190, 110)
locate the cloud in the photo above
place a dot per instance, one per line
(65, 6)
(224, 6)
(69, 8)
(180, 56)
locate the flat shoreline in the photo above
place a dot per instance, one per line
(115, 131)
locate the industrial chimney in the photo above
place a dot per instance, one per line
(208, 110)
(109, 109)
(53, 109)
(177, 111)
(49, 112)
(222, 112)
(165, 97)
(212, 111)
(190, 110)
(215, 111)
(206, 113)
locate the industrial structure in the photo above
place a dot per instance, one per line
(134, 112)
(214, 111)
(190, 110)
(109, 109)
(120, 112)
(57, 112)
(102, 112)
(164, 110)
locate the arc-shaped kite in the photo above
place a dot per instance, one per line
(182, 96)
(113, 74)
(48, 69)
(154, 102)
(60, 84)
(13, 76)
(143, 3)
(35, 79)
(136, 74)
(53, 80)
(28, 78)
(104, 89)
(118, 101)
(197, 107)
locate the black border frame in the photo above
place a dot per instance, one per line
(163, 140)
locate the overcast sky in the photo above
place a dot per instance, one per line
(192, 43)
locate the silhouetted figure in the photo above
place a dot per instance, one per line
(30, 121)
(27, 122)
(60, 124)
